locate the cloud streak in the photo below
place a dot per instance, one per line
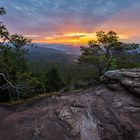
(41, 19)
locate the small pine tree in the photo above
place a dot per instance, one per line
(53, 81)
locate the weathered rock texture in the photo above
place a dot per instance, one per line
(129, 79)
(93, 114)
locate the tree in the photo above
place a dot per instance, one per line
(53, 80)
(12, 51)
(108, 52)
(13, 63)
(2, 11)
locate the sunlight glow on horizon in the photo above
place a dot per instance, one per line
(73, 38)
(72, 21)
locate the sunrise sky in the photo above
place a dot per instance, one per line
(72, 21)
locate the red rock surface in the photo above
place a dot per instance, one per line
(93, 114)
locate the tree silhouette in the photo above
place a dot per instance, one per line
(107, 52)
(13, 61)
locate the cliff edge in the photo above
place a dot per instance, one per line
(110, 111)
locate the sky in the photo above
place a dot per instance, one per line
(72, 21)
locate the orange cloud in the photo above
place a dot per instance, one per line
(75, 38)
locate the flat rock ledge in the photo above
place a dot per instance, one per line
(129, 79)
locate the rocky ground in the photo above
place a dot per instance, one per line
(110, 111)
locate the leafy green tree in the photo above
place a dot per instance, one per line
(29, 82)
(108, 52)
(53, 81)
(13, 62)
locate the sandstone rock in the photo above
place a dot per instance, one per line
(93, 114)
(129, 79)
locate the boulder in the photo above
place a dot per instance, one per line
(126, 78)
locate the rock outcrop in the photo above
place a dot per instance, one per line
(129, 79)
(100, 113)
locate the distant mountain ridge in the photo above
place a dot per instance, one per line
(49, 53)
(68, 49)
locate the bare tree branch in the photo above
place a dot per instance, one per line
(3, 75)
